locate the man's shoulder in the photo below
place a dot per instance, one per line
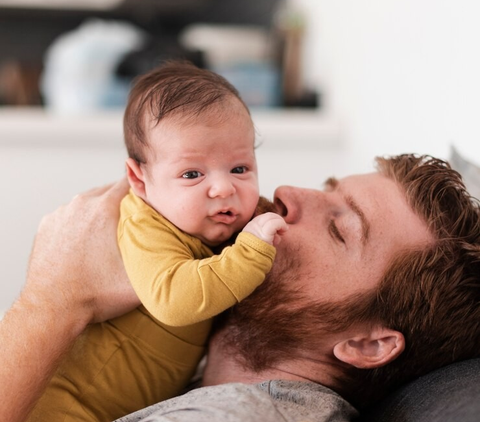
(252, 402)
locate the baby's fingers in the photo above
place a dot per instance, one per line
(275, 225)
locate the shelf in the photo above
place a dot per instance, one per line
(62, 4)
(276, 128)
(101, 5)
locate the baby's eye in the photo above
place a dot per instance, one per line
(239, 170)
(193, 174)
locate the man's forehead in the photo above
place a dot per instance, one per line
(385, 205)
(371, 191)
(360, 181)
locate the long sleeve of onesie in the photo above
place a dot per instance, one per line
(176, 277)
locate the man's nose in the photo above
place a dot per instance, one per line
(292, 202)
(221, 187)
(287, 200)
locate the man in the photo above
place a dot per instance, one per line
(377, 269)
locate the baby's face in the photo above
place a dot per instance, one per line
(203, 177)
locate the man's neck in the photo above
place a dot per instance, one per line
(224, 366)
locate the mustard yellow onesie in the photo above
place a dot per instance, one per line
(151, 353)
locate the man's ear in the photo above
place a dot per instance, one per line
(371, 350)
(136, 178)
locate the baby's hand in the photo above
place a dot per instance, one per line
(268, 227)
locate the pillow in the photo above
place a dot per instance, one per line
(470, 172)
(449, 394)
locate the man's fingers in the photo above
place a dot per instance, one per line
(118, 189)
(100, 190)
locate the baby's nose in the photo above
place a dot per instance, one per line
(222, 188)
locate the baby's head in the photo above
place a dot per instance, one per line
(190, 141)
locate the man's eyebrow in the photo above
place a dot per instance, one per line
(333, 184)
(363, 219)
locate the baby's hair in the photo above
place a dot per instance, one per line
(176, 88)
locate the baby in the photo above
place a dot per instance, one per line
(193, 178)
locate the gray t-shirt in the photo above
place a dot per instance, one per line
(269, 401)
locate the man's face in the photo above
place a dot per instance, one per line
(339, 244)
(346, 235)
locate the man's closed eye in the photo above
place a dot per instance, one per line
(333, 229)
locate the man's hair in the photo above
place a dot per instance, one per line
(176, 88)
(431, 295)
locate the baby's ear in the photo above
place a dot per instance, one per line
(371, 349)
(136, 178)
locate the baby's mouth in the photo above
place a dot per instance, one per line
(226, 217)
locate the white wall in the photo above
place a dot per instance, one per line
(35, 181)
(398, 75)
(404, 75)
(46, 159)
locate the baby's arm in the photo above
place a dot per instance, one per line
(177, 287)
(268, 227)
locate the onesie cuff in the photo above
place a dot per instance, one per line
(257, 244)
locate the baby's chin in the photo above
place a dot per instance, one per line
(263, 206)
(221, 239)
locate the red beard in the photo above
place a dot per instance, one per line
(277, 322)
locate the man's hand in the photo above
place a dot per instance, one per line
(75, 277)
(75, 261)
(269, 227)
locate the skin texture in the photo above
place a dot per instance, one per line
(336, 256)
(202, 175)
(326, 228)
(75, 277)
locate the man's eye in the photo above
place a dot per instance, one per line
(335, 232)
(191, 174)
(239, 170)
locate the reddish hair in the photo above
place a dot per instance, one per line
(175, 88)
(430, 295)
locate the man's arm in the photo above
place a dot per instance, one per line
(75, 277)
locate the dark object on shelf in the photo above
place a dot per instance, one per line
(153, 54)
(307, 99)
(19, 83)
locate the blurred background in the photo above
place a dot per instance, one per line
(331, 84)
(50, 46)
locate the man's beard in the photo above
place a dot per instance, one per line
(277, 322)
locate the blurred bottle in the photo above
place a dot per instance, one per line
(79, 73)
(19, 83)
(289, 30)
